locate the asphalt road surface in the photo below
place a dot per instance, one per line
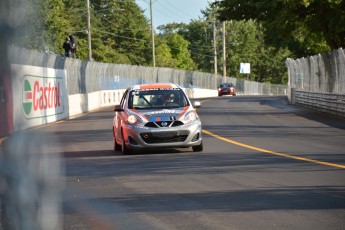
(265, 165)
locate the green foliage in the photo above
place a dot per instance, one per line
(305, 27)
(244, 42)
(260, 32)
(175, 46)
(41, 25)
(125, 29)
(180, 52)
(199, 34)
(119, 30)
(164, 57)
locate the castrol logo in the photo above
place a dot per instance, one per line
(41, 96)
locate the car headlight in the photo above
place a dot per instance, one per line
(191, 116)
(133, 119)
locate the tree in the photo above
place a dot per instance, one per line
(41, 26)
(244, 42)
(120, 31)
(302, 26)
(199, 33)
(172, 37)
(164, 57)
(129, 29)
(179, 51)
(120, 28)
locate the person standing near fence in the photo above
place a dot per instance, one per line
(73, 43)
(67, 47)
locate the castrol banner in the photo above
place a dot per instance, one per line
(39, 95)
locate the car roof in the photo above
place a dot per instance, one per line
(155, 86)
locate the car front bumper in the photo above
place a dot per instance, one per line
(228, 92)
(137, 137)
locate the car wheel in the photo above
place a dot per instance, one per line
(198, 148)
(219, 95)
(124, 148)
(117, 147)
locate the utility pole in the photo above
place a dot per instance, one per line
(89, 29)
(215, 46)
(224, 53)
(153, 37)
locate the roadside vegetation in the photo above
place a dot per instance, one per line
(262, 33)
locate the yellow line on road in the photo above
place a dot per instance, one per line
(272, 152)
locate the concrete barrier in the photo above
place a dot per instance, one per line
(328, 103)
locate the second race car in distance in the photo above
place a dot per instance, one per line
(226, 89)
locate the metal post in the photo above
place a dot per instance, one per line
(153, 37)
(89, 29)
(224, 54)
(215, 46)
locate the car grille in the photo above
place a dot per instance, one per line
(164, 137)
(159, 124)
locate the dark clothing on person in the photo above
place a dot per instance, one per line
(67, 47)
(73, 43)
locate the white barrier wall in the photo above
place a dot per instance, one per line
(195, 93)
(82, 103)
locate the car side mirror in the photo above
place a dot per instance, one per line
(118, 108)
(196, 104)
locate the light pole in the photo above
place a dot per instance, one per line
(153, 37)
(215, 45)
(224, 53)
(89, 29)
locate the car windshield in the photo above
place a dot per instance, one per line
(157, 98)
(226, 85)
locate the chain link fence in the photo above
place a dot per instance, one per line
(318, 82)
(86, 77)
(323, 73)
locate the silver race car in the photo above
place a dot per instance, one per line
(156, 116)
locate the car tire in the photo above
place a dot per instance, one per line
(117, 147)
(124, 148)
(198, 148)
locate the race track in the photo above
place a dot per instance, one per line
(265, 165)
